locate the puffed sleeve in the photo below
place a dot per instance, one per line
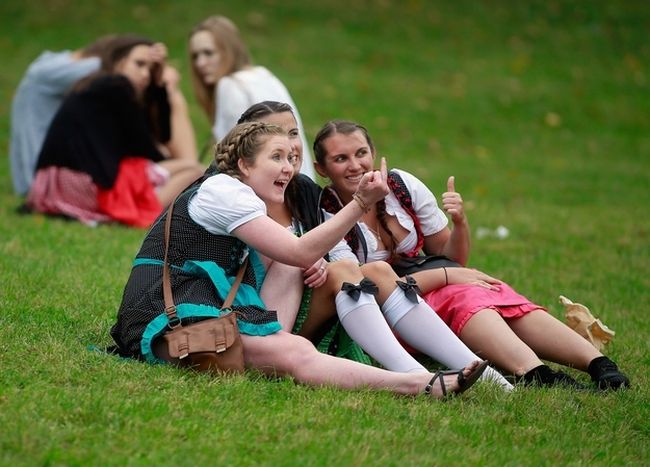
(223, 203)
(432, 218)
(232, 100)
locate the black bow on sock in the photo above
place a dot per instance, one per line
(354, 291)
(410, 288)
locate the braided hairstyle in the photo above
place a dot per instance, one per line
(244, 142)
(292, 195)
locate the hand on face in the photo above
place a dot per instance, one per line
(158, 53)
(373, 186)
(452, 202)
(170, 77)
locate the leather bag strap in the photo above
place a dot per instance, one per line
(170, 308)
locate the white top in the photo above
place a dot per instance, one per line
(238, 91)
(432, 220)
(38, 97)
(223, 203)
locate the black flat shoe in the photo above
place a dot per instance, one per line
(464, 382)
(544, 376)
(606, 374)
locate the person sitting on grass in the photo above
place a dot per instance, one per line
(494, 321)
(222, 219)
(121, 146)
(38, 97)
(226, 82)
(324, 292)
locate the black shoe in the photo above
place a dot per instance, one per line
(544, 376)
(606, 374)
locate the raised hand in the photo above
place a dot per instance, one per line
(452, 202)
(373, 186)
(158, 52)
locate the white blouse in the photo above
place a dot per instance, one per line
(432, 220)
(223, 203)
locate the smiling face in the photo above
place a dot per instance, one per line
(287, 122)
(272, 170)
(136, 66)
(347, 158)
(205, 56)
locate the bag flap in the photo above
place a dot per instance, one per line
(209, 335)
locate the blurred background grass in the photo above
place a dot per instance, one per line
(540, 110)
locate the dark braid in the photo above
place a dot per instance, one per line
(242, 142)
(264, 109)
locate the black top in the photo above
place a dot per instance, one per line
(97, 127)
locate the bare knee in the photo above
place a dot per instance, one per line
(342, 271)
(278, 354)
(377, 270)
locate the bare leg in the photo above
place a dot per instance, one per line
(286, 354)
(282, 291)
(489, 336)
(322, 308)
(553, 340)
(182, 173)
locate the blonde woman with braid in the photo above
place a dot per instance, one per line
(366, 317)
(217, 222)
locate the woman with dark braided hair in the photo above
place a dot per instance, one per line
(488, 315)
(222, 219)
(365, 313)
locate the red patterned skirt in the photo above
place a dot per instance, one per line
(131, 200)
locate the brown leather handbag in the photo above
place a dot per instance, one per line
(213, 344)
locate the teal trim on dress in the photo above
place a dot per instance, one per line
(158, 326)
(247, 295)
(258, 267)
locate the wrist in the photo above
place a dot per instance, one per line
(365, 206)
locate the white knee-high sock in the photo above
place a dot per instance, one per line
(365, 323)
(423, 329)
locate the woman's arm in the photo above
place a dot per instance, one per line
(453, 243)
(274, 241)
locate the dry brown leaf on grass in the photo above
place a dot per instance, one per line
(580, 319)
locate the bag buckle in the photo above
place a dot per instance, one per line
(174, 322)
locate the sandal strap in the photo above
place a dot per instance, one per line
(429, 386)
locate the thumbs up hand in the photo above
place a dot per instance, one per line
(452, 202)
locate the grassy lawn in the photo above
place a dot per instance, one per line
(541, 111)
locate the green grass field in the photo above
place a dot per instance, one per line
(541, 111)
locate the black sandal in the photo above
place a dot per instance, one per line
(464, 382)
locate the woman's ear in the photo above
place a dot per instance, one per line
(243, 167)
(320, 169)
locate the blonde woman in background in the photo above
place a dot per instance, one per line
(226, 82)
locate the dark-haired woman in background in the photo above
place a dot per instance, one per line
(121, 146)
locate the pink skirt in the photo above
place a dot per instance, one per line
(456, 304)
